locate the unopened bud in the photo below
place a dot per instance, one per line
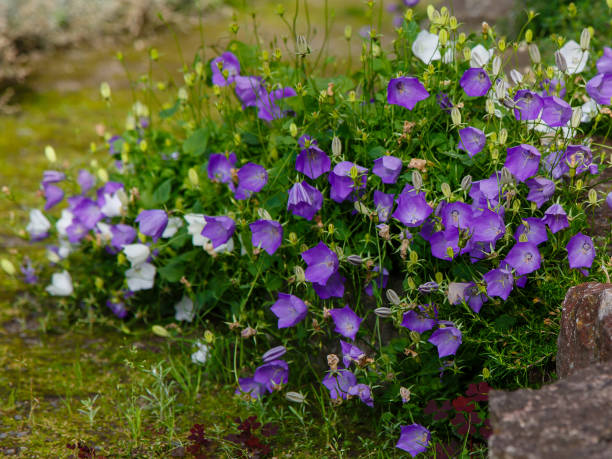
(467, 53)
(7, 266)
(516, 77)
(355, 260)
(456, 116)
(485, 27)
(336, 146)
(102, 175)
(393, 297)
(295, 397)
(560, 61)
(192, 174)
(490, 106)
(414, 256)
(466, 183)
(450, 252)
(501, 88)
(301, 46)
(383, 312)
(501, 44)
(274, 353)
(446, 190)
(160, 331)
(361, 208)
(300, 275)
(576, 117)
(417, 180)
(506, 176)
(592, 196)
(293, 239)
(443, 37)
(348, 32)
(263, 214)
(534, 53)
(105, 91)
(508, 102)
(209, 337)
(293, 130)
(452, 22)
(585, 39)
(430, 12)
(50, 154)
(528, 35)
(503, 136)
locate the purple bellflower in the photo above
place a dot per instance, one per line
(251, 178)
(534, 229)
(555, 111)
(350, 353)
(117, 308)
(322, 263)
(342, 182)
(274, 353)
(445, 244)
(250, 90)
(609, 200)
(552, 87)
(346, 321)
(473, 297)
(418, 322)
(384, 205)
(87, 213)
(220, 167)
(304, 200)
(580, 158)
(457, 214)
(600, 88)
(53, 195)
(414, 439)
(475, 82)
(471, 140)
(540, 190)
(218, 229)
(226, 64)
(444, 102)
(499, 283)
(251, 387)
(268, 110)
(312, 161)
(523, 161)
(528, 105)
(556, 218)
(524, 257)
(333, 288)
(488, 227)
(412, 208)
(363, 392)
(28, 271)
(86, 180)
(152, 223)
(267, 234)
(289, 309)
(339, 382)
(604, 63)
(387, 168)
(52, 177)
(447, 340)
(580, 251)
(406, 91)
(122, 235)
(272, 374)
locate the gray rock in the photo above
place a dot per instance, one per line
(569, 419)
(586, 328)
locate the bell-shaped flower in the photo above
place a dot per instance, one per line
(250, 90)
(414, 439)
(350, 353)
(609, 199)
(524, 257)
(527, 105)
(251, 178)
(604, 63)
(339, 382)
(553, 87)
(322, 263)
(387, 168)
(136, 253)
(380, 279)
(289, 309)
(346, 321)
(268, 110)
(272, 374)
(117, 308)
(174, 223)
(304, 200)
(580, 251)
(363, 392)
(575, 57)
(52, 177)
(412, 209)
(140, 277)
(342, 181)
(447, 340)
(122, 235)
(426, 47)
(86, 180)
(445, 244)
(53, 195)
(218, 229)
(152, 223)
(480, 56)
(475, 82)
(38, 226)
(266, 234)
(61, 284)
(220, 167)
(406, 92)
(499, 283)
(523, 161)
(457, 214)
(312, 161)
(471, 140)
(419, 322)
(224, 68)
(600, 88)
(251, 387)
(555, 111)
(533, 229)
(333, 288)
(384, 205)
(540, 190)
(183, 310)
(555, 218)
(200, 356)
(488, 227)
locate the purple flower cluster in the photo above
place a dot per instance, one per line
(268, 377)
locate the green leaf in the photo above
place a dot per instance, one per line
(196, 144)
(173, 271)
(168, 112)
(162, 192)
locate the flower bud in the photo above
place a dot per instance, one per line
(209, 337)
(102, 175)
(456, 116)
(336, 146)
(182, 94)
(414, 256)
(592, 196)
(466, 183)
(452, 22)
(192, 174)
(417, 180)
(7, 266)
(501, 44)
(585, 39)
(508, 102)
(467, 53)
(50, 154)
(274, 353)
(446, 190)
(516, 77)
(348, 32)
(160, 331)
(560, 61)
(293, 130)
(301, 46)
(503, 136)
(490, 106)
(295, 397)
(430, 12)
(485, 27)
(528, 35)
(443, 37)
(300, 275)
(105, 91)
(383, 312)
(506, 176)
(576, 117)
(355, 260)
(293, 239)
(534, 53)
(361, 208)
(501, 88)
(392, 296)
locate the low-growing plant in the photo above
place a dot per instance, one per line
(362, 241)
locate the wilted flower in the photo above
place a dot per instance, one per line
(387, 168)
(346, 321)
(471, 140)
(580, 251)
(406, 91)
(475, 82)
(267, 234)
(414, 439)
(289, 309)
(224, 69)
(447, 340)
(61, 284)
(556, 218)
(426, 47)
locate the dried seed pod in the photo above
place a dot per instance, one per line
(383, 312)
(466, 183)
(393, 297)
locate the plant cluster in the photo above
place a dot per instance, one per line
(391, 232)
